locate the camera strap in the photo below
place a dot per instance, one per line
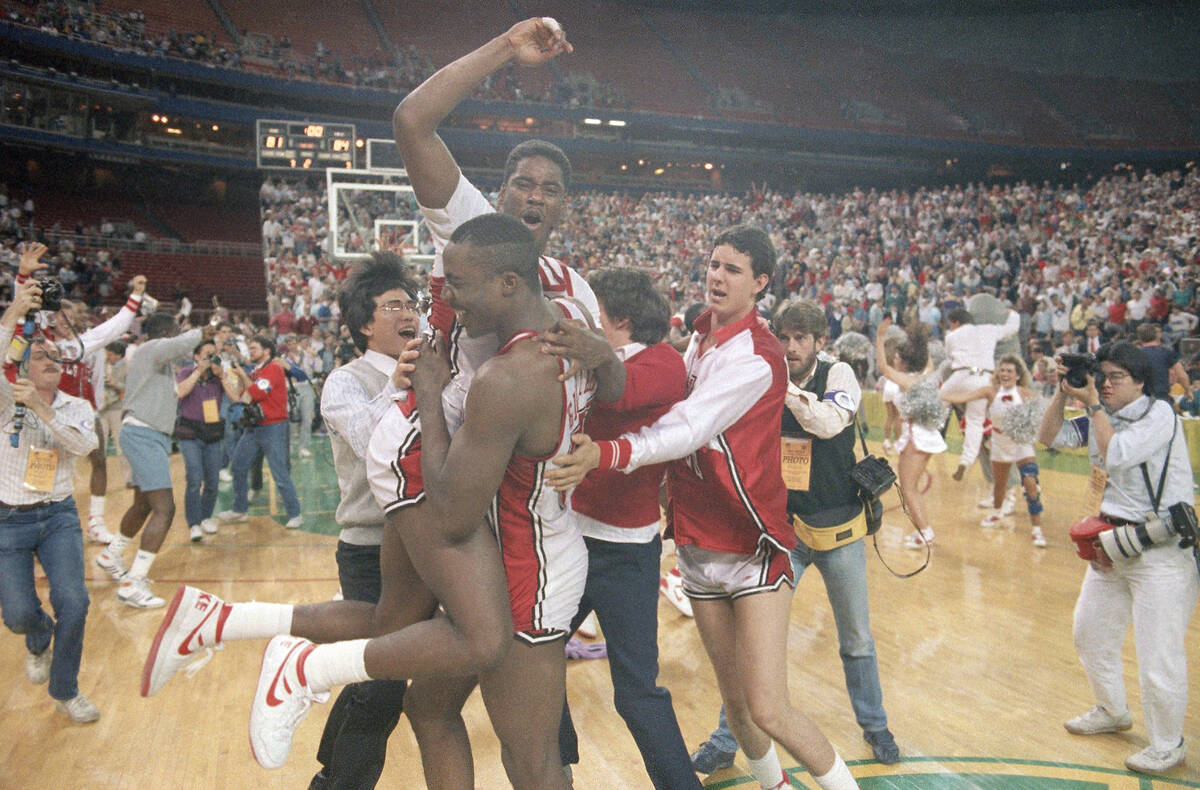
(862, 436)
(1156, 499)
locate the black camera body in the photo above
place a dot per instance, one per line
(1079, 367)
(53, 293)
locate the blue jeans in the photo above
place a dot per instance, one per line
(272, 440)
(354, 743)
(202, 463)
(53, 534)
(622, 588)
(844, 571)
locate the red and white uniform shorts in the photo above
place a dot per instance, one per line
(546, 576)
(394, 458)
(715, 575)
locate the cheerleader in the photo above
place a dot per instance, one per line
(891, 393)
(922, 413)
(1011, 443)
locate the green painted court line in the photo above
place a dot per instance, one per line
(952, 781)
(972, 782)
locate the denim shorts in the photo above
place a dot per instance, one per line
(149, 454)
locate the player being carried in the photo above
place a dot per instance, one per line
(537, 176)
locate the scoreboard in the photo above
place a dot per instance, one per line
(304, 145)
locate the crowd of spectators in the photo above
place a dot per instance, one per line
(1111, 256)
(86, 272)
(127, 31)
(401, 68)
(1120, 253)
(122, 30)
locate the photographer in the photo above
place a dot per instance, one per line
(266, 386)
(83, 367)
(1137, 442)
(200, 430)
(38, 515)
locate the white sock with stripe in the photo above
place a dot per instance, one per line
(141, 564)
(96, 506)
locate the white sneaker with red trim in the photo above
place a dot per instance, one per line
(97, 530)
(281, 701)
(670, 584)
(189, 628)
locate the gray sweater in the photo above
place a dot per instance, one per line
(354, 399)
(150, 383)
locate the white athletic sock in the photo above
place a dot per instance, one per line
(96, 507)
(336, 664)
(766, 769)
(838, 777)
(141, 564)
(116, 546)
(254, 620)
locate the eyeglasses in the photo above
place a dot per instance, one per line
(42, 356)
(398, 305)
(1116, 376)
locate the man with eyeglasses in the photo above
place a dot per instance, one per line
(1136, 445)
(379, 304)
(84, 370)
(38, 515)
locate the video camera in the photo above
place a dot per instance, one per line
(1079, 367)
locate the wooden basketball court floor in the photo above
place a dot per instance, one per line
(975, 654)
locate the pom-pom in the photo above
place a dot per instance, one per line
(921, 405)
(1022, 422)
(852, 345)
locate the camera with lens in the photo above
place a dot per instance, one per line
(1079, 367)
(1125, 543)
(52, 293)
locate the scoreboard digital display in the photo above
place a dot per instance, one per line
(304, 145)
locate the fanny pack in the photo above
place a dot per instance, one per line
(829, 538)
(207, 432)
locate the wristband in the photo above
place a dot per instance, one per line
(615, 453)
(1091, 410)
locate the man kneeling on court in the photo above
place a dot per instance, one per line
(518, 415)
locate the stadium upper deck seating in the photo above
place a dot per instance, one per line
(342, 27)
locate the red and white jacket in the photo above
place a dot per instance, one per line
(623, 508)
(726, 490)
